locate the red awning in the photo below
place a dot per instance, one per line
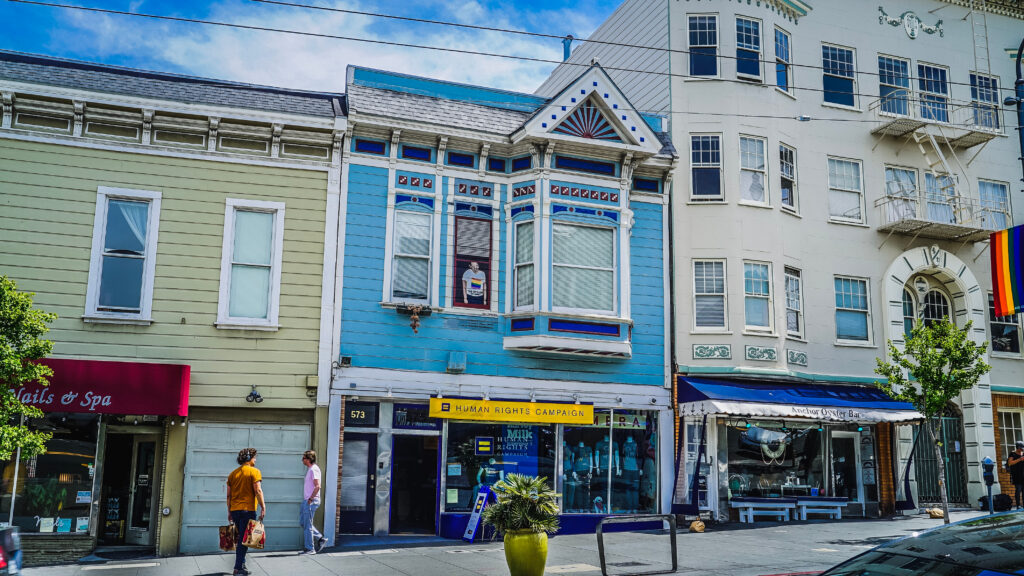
(98, 387)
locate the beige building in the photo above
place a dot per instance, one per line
(842, 167)
(185, 232)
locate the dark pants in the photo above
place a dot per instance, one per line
(241, 519)
(1018, 496)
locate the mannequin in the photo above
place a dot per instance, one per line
(631, 473)
(488, 475)
(602, 465)
(648, 480)
(568, 478)
(584, 469)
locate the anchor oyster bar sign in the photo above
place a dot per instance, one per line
(911, 23)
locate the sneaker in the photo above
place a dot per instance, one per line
(320, 543)
(307, 553)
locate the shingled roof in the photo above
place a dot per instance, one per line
(63, 73)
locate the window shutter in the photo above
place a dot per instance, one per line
(473, 239)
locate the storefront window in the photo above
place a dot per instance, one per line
(54, 490)
(589, 459)
(772, 459)
(483, 454)
(636, 490)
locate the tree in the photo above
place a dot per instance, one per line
(21, 345)
(942, 361)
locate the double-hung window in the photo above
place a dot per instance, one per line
(934, 86)
(839, 75)
(985, 100)
(471, 285)
(1011, 431)
(709, 295)
(748, 48)
(1006, 330)
(703, 46)
(787, 177)
(853, 316)
(583, 267)
(894, 85)
(783, 62)
(123, 262)
(752, 170)
(901, 193)
(757, 294)
(524, 268)
(706, 167)
(909, 313)
(845, 191)
(995, 203)
(940, 195)
(411, 259)
(794, 303)
(250, 276)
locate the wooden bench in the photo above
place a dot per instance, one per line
(829, 505)
(776, 507)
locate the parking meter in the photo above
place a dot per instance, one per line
(988, 474)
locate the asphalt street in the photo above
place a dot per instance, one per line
(765, 548)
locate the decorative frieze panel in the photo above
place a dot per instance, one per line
(761, 353)
(796, 357)
(712, 352)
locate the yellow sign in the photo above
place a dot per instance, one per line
(494, 411)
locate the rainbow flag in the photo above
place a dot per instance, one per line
(1007, 250)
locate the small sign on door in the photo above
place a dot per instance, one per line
(143, 480)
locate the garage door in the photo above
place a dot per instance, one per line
(210, 457)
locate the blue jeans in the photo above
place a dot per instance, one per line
(310, 534)
(241, 519)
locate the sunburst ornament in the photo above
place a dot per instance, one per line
(587, 121)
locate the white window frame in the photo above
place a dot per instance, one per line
(224, 318)
(716, 46)
(389, 260)
(986, 108)
(986, 208)
(725, 295)
(870, 342)
(145, 314)
(856, 95)
(531, 261)
(769, 299)
(946, 98)
(1007, 445)
(795, 206)
(797, 274)
(767, 202)
(860, 192)
(760, 49)
(615, 269)
(990, 312)
(701, 198)
(787, 62)
(908, 99)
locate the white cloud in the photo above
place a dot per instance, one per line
(314, 63)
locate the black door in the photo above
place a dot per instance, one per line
(414, 484)
(358, 480)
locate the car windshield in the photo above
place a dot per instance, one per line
(989, 545)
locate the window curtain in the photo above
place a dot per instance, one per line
(940, 195)
(124, 248)
(251, 264)
(901, 189)
(583, 261)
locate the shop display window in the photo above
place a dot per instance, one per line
(636, 491)
(773, 459)
(480, 454)
(53, 492)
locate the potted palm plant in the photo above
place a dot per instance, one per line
(526, 512)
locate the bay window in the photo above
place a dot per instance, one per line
(524, 268)
(757, 294)
(583, 267)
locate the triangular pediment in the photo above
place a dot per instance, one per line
(592, 109)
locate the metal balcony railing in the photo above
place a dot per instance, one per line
(902, 111)
(941, 216)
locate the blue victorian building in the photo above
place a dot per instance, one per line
(504, 303)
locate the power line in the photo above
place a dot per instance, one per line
(400, 44)
(557, 37)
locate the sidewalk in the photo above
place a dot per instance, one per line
(732, 550)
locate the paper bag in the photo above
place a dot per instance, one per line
(696, 526)
(255, 535)
(228, 537)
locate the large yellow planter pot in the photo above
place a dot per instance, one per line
(526, 552)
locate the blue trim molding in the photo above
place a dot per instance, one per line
(577, 327)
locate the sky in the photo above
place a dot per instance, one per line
(304, 62)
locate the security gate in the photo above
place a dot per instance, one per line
(951, 434)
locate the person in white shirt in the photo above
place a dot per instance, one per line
(312, 540)
(474, 285)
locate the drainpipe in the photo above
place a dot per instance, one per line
(567, 51)
(1018, 99)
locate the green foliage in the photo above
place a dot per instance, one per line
(524, 503)
(45, 499)
(941, 360)
(21, 329)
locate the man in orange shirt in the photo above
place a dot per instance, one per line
(244, 493)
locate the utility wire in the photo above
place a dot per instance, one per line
(400, 44)
(557, 37)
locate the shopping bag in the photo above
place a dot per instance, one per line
(697, 526)
(255, 535)
(228, 537)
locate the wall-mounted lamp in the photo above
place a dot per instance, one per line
(439, 395)
(533, 395)
(389, 391)
(254, 396)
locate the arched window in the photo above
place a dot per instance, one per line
(936, 307)
(909, 312)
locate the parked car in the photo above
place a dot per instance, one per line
(984, 546)
(10, 552)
